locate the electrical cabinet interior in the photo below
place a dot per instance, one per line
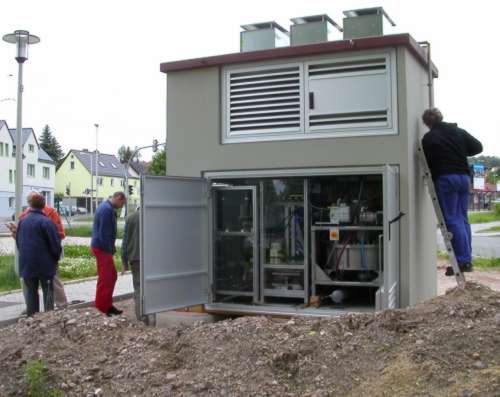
(315, 241)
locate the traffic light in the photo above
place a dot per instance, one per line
(130, 190)
(155, 145)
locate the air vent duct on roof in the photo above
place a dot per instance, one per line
(264, 100)
(263, 36)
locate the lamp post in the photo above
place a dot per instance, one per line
(96, 165)
(22, 39)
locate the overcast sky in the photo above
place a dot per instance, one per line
(98, 61)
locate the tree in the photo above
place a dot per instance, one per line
(158, 164)
(48, 142)
(125, 153)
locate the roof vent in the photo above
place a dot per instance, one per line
(312, 29)
(263, 36)
(365, 22)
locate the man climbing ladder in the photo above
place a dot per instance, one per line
(446, 148)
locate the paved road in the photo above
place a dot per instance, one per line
(486, 245)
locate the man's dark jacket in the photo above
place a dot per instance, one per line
(39, 246)
(447, 147)
(104, 228)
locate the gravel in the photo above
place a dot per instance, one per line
(448, 346)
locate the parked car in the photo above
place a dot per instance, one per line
(81, 211)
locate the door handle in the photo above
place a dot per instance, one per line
(396, 219)
(311, 100)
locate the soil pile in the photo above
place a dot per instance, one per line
(448, 346)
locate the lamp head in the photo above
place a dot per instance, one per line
(22, 39)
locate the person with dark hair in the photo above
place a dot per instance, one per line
(103, 248)
(39, 246)
(446, 149)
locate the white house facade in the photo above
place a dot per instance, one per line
(38, 169)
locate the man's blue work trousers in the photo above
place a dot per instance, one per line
(453, 195)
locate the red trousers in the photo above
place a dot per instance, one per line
(106, 280)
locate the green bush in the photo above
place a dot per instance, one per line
(38, 380)
(496, 209)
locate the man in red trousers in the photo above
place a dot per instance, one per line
(103, 247)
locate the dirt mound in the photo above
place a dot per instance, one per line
(448, 346)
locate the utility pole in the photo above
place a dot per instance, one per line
(96, 165)
(91, 185)
(21, 38)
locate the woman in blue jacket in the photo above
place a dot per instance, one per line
(39, 246)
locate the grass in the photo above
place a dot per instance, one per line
(86, 231)
(37, 378)
(484, 217)
(490, 230)
(478, 263)
(78, 263)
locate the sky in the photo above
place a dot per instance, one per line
(98, 61)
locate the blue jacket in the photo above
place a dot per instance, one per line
(104, 228)
(39, 245)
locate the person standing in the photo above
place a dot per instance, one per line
(103, 248)
(59, 293)
(39, 246)
(446, 149)
(131, 256)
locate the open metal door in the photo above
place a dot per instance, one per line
(389, 298)
(174, 243)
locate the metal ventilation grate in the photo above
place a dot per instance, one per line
(264, 100)
(348, 118)
(365, 65)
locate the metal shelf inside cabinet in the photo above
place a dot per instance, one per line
(233, 293)
(234, 234)
(347, 228)
(374, 283)
(283, 266)
(284, 293)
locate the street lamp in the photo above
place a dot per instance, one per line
(22, 39)
(96, 165)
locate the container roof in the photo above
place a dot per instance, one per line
(327, 47)
(316, 18)
(264, 25)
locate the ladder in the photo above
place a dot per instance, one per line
(447, 236)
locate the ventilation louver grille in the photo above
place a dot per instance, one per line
(368, 65)
(348, 118)
(264, 100)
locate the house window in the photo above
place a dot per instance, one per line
(11, 176)
(31, 170)
(101, 164)
(31, 148)
(113, 165)
(72, 165)
(12, 202)
(7, 150)
(122, 182)
(46, 172)
(1, 148)
(332, 97)
(99, 181)
(112, 182)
